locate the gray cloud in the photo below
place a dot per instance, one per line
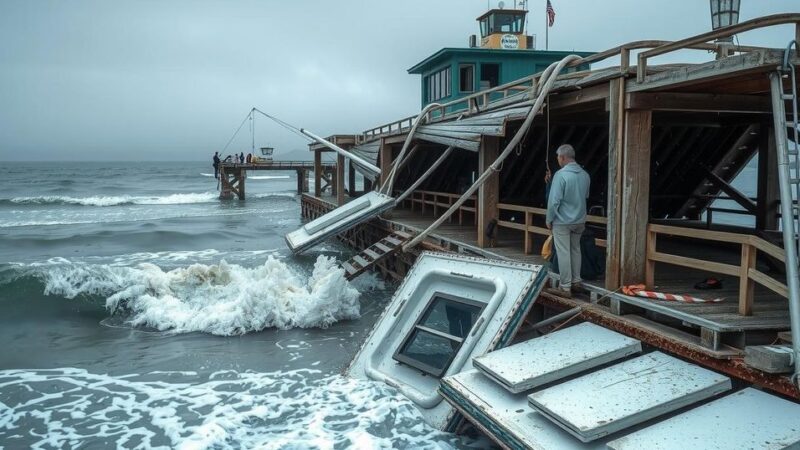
(128, 80)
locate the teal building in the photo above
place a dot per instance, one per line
(506, 54)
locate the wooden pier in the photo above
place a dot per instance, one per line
(661, 144)
(232, 176)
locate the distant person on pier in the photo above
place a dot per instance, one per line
(216, 165)
(241, 158)
(566, 217)
(249, 158)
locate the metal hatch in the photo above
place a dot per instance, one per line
(623, 395)
(747, 419)
(339, 220)
(555, 356)
(468, 305)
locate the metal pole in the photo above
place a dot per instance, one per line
(787, 215)
(546, 31)
(557, 318)
(361, 162)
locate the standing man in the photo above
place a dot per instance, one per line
(566, 217)
(216, 165)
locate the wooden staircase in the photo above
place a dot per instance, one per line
(370, 256)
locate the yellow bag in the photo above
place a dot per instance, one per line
(547, 248)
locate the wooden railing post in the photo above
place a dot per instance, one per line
(650, 265)
(528, 223)
(745, 282)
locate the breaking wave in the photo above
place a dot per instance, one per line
(226, 410)
(221, 299)
(172, 199)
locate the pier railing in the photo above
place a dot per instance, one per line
(443, 200)
(530, 230)
(746, 270)
(513, 92)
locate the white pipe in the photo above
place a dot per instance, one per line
(425, 175)
(395, 167)
(544, 88)
(362, 162)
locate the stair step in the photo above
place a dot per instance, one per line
(382, 247)
(769, 358)
(393, 240)
(747, 419)
(787, 96)
(555, 356)
(372, 254)
(618, 397)
(348, 268)
(361, 261)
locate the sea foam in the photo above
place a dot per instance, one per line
(227, 410)
(222, 299)
(116, 200)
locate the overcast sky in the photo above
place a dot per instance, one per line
(170, 80)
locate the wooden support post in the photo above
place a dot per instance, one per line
(767, 187)
(746, 285)
(385, 156)
(635, 196)
(339, 179)
(528, 224)
(305, 180)
(616, 127)
(489, 192)
(650, 269)
(351, 179)
(317, 173)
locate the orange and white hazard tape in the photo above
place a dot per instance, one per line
(638, 290)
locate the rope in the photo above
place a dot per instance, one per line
(387, 188)
(546, 84)
(237, 131)
(286, 125)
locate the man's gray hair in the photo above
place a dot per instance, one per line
(567, 151)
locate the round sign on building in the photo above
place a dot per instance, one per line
(509, 41)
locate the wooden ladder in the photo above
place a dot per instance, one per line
(370, 256)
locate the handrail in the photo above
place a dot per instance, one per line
(622, 50)
(759, 22)
(745, 270)
(529, 228)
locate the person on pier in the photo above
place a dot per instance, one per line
(566, 217)
(216, 165)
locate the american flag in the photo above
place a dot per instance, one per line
(551, 14)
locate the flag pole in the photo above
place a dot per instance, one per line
(546, 31)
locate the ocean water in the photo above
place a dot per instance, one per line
(139, 311)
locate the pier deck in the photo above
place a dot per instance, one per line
(232, 175)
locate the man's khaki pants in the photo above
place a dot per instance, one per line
(567, 239)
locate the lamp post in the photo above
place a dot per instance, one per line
(724, 13)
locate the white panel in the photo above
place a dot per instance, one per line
(555, 356)
(506, 416)
(617, 397)
(339, 220)
(747, 419)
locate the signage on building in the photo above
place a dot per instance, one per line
(509, 41)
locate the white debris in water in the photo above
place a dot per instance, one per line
(295, 409)
(222, 299)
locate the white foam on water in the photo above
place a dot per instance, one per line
(221, 299)
(268, 177)
(116, 200)
(227, 410)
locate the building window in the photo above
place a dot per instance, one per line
(466, 78)
(439, 85)
(490, 75)
(436, 338)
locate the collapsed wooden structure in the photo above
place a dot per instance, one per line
(661, 144)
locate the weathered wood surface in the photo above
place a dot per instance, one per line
(616, 123)
(489, 192)
(635, 196)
